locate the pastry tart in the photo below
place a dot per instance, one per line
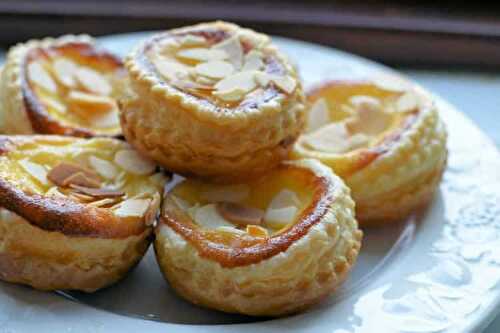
(75, 213)
(386, 141)
(272, 246)
(64, 86)
(212, 100)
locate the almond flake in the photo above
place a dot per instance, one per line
(262, 78)
(106, 120)
(53, 104)
(202, 54)
(231, 95)
(283, 199)
(257, 231)
(104, 168)
(81, 197)
(285, 83)
(232, 47)
(97, 192)
(240, 81)
(280, 217)
(91, 102)
(208, 217)
(203, 80)
(192, 40)
(239, 214)
(364, 101)
(93, 81)
(369, 121)
(132, 208)
(407, 102)
(62, 171)
(253, 61)
(131, 161)
(318, 116)
(38, 75)
(103, 202)
(226, 193)
(64, 70)
(216, 69)
(80, 179)
(169, 69)
(35, 170)
(332, 138)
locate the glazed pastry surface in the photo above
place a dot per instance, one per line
(212, 100)
(387, 143)
(64, 86)
(76, 213)
(272, 246)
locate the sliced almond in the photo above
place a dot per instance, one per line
(103, 202)
(284, 83)
(369, 121)
(132, 208)
(284, 198)
(262, 78)
(39, 76)
(91, 102)
(280, 217)
(169, 69)
(97, 192)
(81, 197)
(407, 102)
(35, 170)
(192, 40)
(253, 61)
(80, 179)
(226, 193)
(104, 168)
(64, 170)
(233, 95)
(131, 161)
(239, 214)
(202, 54)
(257, 231)
(332, 138)
(64, 70)
(206, 81)
(365, 101)
(216, 69)
(181, 203)
(106, 120)
(55, 105)
(244, 81)
(232, 47)
(93, 81)
(318, 116)
(208, 217)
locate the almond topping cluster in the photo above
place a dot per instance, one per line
(66, 87)
(222, 70)
(366, 118)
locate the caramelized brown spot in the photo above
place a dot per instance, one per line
(97, 192)
(239, 214)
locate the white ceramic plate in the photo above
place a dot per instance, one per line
(437, 272)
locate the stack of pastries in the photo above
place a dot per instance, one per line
(262, 221)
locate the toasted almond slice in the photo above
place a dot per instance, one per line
(97, 192)
(365, 101)
(81, 197)
(63, 170)
(284, 83)
(104, 168)
(35, 170)
(93, 81)
(407, 102)
(169, 69)
(284, 198)
(332, 138)
(369, 121)
(64, 70)
(91, 102)
(39, 76)
(257, 231)
(280, 217)
(80, 179)
(131, 161)
(208, 217)
(53, 104)
(216, 69)
(132, 208)
(242, 80)
(103, 202)
(232, 47)
(239, 214)
(231, 95)
(192, 40)
(202, 54)
(226, 193)
(107, 119)
(318, 116)
(253, 61)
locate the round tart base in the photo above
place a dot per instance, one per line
(304, 272)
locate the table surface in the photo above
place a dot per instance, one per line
(475, 94)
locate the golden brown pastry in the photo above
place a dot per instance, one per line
(212, 100)
(386, 142)
(269, 247)
(75, 213)
(64, 86)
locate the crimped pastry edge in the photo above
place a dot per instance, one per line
(49, 260)
(286, 283)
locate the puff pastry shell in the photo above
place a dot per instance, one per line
(272, 274)
(58, 237)
(186, 128)
(64, 86)
(386, 141)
